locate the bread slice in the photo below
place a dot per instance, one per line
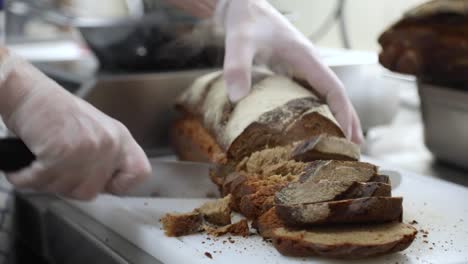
(361, 210)
(344, 171)
(217, 212)
(324, 191)
(344, 241)
(176, 225)
(325, 147)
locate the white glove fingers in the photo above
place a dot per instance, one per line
(135, 168)
(306, 62)
(238, 62)
(357, 136)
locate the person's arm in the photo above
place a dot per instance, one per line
(256, 30)
(80, 151)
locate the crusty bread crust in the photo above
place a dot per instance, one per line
(191, 141)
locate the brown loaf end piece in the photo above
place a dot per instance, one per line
(176, 225)
(278, 112)
(345, 241)
(360, 210)
(217, 212)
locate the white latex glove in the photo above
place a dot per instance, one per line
(80, 151)
(254, 28)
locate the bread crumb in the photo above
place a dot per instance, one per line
(208, 254)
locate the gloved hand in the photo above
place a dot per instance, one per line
(254, 28)
(80, 151)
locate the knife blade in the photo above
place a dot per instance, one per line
(177, 179)
(170, 178)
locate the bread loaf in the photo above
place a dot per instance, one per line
(277, 112)
(431, 42)
(284, 161)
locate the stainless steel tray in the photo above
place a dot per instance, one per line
(142, 102)
(445, 116)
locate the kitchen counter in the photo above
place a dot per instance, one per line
(63, 234)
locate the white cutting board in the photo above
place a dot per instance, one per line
(440, 208)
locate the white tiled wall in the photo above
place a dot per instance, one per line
(366, 19)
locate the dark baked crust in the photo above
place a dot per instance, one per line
(361, 210)
(283, 126)
(432, 46)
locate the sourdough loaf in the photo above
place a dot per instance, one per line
(282, 157)
(277, 112)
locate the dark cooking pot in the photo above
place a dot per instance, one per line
(154, 42)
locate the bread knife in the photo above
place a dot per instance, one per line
(14, 155)
(170, 178)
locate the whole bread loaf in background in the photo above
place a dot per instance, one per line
(431, 42)
(277, 112)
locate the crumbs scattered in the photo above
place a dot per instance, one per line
(208, 254)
